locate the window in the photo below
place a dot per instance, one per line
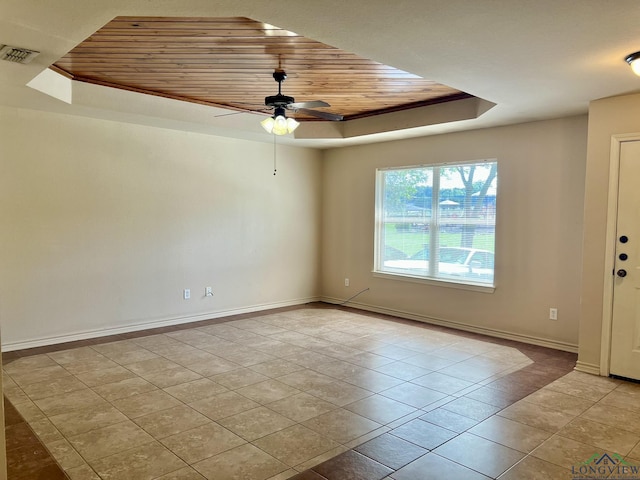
(445, 213)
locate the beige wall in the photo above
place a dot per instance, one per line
(607, 117)
(539, 230)
(103, 224)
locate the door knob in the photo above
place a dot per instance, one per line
(621, 273)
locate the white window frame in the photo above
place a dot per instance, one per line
(431, 277)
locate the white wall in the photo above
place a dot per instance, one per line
(103, 224)
(538, 236)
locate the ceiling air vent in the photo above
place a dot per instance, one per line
(17, 55)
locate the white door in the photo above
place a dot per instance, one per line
(625, 330)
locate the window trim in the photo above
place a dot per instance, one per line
(379, 222)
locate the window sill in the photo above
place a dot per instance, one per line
(474, 287)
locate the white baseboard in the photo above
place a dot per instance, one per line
(585, 367)
(542, 342)
(156, 323)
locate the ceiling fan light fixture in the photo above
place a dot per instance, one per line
(634, 62)
(279, 124)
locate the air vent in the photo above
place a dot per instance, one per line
(17, 55)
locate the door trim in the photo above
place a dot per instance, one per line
(610, 248)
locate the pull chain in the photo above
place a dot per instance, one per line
(274, 155)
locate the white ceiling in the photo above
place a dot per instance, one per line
(534, 59)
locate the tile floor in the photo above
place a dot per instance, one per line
(312, 393)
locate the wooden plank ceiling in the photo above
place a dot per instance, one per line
(229, 62)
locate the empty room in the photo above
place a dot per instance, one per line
(319, 240)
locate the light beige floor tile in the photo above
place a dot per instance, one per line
(339, 393)
(532, 468)
(323, 457)
(366, 437)
(339, 369)
(612, 439)
(189, 335)
(309, 359)
(373, 381)
(295, 445)
(268, 391)
(284, 475)
(635, 453)
(479, 454)
(537, 416)
(202, 442)
(93, 378)
(151, 342)
(186, 473)
(197, 390)
(83, 472)
(470, 371)
(117, 347)
(68, 402)
(380, 409)
(14, 393)
(212, 366)
(151, 365)
(87, 419)
(413, 395)
(564, 452)
(244, 356)
(559, 401)
(90, 366)
(403, 371)
(509, 433)
(49, 388)
(126, 356)
(76, 355)
(603, 413)
(590, 379)
(628, 387)
(276, 368)
(172, 376)
(46, 431)
(66, 456)
(582, 390)
(145, 403)
(239, 378)
(106, 441)
(124, 388)
(28, 364)
(623, 399)
(184, 357)
(301, 407)
(256, 423)
(341, 425)
(244, 462)
(394, 352)
(306, 379)
(144, 462)
(224, 405)
(171, 421)
(442, 383)
(26, 377)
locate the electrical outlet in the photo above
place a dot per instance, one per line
(346, 282)
(208, 292)
(186, 294)
(553, 314)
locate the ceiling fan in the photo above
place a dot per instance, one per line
(279, 123)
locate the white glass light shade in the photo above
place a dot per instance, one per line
(280, 125)
(634, 62)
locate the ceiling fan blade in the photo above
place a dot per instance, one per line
(312, 104)
(319, 114)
